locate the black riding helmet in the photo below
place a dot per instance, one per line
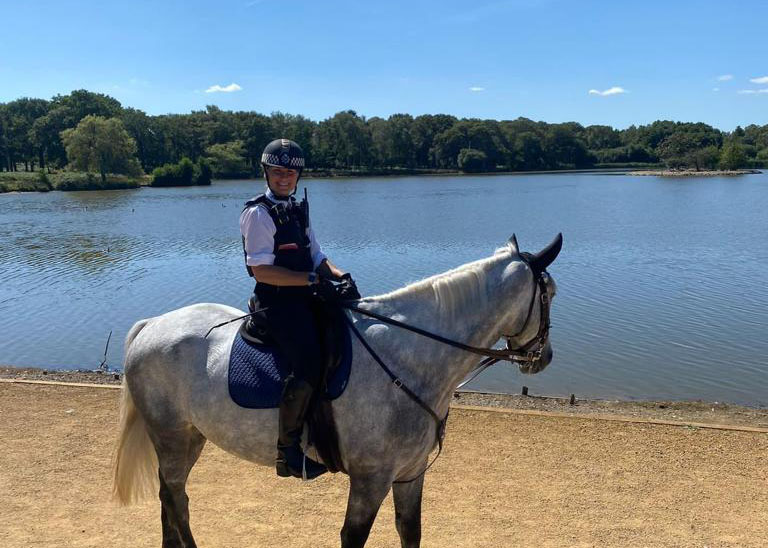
(282, 153)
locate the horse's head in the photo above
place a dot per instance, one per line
(527, 325)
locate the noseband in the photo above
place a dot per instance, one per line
(525, 354)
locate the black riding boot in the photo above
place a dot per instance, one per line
(291, 460)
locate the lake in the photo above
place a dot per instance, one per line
(662, 289)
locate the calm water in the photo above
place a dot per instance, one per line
(662, 282)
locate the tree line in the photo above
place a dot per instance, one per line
(35, 134)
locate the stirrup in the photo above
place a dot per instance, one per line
(309, 470)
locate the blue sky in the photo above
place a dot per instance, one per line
(495, 59)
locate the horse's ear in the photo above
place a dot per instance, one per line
(546, 256)
(513, 245)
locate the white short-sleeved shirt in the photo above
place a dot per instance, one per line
(258, 231)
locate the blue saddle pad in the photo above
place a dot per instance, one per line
(257, 373)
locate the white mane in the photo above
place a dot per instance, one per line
(455, 290)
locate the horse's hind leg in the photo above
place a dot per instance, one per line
(407, 497)
(177, 452)
(365, 497)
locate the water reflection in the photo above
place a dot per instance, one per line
(661, 291)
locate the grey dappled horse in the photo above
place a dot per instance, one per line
(175, 394)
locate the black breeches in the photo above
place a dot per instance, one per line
(291, 322)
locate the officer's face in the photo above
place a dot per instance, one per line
(282, 180)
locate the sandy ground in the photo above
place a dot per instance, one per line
(505, 479)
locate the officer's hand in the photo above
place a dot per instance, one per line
(325, 289)
(348, 289)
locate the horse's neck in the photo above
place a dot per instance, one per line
(468, 317)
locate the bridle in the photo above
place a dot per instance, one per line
(520, 354)
(524, 352)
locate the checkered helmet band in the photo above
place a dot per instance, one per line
(283, 153)
(284, 160)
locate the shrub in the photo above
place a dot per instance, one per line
(204, 172)
(732, 156)
(471, 160)
(185, 173)
(43, 179)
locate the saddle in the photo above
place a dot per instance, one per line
(331, 329)
(257, 370)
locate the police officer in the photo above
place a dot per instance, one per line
(283, 256)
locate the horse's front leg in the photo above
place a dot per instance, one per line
(408, 511)
(366, 494)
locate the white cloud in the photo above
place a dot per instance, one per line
(761, 80)
(752, 91)
(615, 90)
(226, 89)
(725, 77)
(476, 88)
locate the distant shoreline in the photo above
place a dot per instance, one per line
(67, 181)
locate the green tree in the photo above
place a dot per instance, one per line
(675, 150)
(705, 158)
(732, 156)
(228, 159)
(471, 160)
(343, 141)
(102, 146)
(565, 148)
(529, 152)
(423, 132)
(5, 156)
(20, 144)
(64, 112)
(150, 145)
(762, 157)
(255, 133)
(601, 137)
(399, 143)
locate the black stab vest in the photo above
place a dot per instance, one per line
(292, 243)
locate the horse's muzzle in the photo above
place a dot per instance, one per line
(532, 367)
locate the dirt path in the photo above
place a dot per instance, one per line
(504, 480)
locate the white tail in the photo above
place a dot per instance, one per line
(135, 465)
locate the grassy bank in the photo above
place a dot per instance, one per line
(38, 181)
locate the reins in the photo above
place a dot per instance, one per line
(440, 433)
(520, 354)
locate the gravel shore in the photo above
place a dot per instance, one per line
(682, 411)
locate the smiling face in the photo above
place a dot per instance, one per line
(282, 180)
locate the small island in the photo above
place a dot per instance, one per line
(694, 173)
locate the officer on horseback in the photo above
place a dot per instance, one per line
(285, 259)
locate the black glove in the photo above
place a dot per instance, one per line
(325, 290)
(348, 289)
